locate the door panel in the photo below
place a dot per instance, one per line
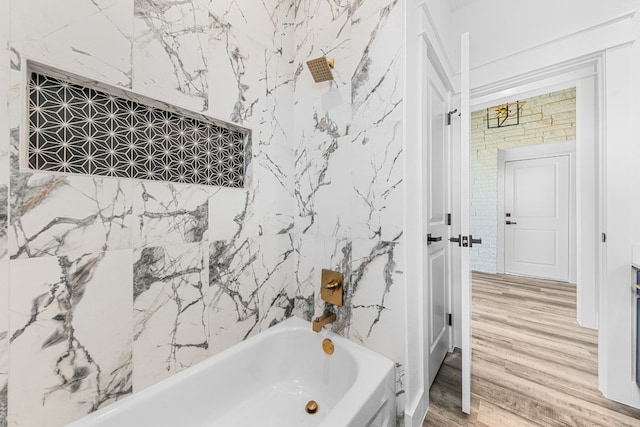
(465, 202)
(535, 246)
(537, 217)
(438, 296)
(437, 99)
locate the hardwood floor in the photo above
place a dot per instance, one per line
(532, 364)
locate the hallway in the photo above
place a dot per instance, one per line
(532, 364)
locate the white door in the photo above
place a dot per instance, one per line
(465, 202)
(536, 217)
(437, 245)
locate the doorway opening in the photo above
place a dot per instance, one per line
(522, 195)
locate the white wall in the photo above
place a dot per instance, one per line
(529, 24)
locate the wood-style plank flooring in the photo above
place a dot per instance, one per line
(532, 364)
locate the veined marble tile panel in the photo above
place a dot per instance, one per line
(57, 215)
(5, 19)
(375, 299)
(70, 337)
(377, 175)
(170, 214)
(171, 312)
(4, 91)
(253, 23)
(170, 51)
(4, 339)
(376, 303)
(324, 187)
(251, 286)
(252, 74)
(313, 254)
(376, 73)
(4, 209)
(228, 208)
(363, 9)
(265, 207)
(91, 38)
(271, 196)
(322, 28)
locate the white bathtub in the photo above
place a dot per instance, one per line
(266, 381)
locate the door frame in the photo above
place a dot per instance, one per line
(531, 152)
(586, 75)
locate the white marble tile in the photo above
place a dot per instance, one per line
(70, 336)
(375, 298)
(227, 210)
(169, 214)
(91, 38)
(4, 339)
(253, 23)
(270, 210)
(313, 254)
(375, 302)
(376, 306)
(170, 51)
(4, 209)
(170, 311)
(4, 91)
(251, 81)
(323, 28)
(376, 69)
(56, 215)
(14, 96)
(250, 287)
(265, 207)
(377, 208)
(324, 187)
(363, 9)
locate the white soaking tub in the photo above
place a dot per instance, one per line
(267, 380)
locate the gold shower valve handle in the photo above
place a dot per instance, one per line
(331, 289)
(332, 285)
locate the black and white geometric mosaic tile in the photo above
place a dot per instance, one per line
(76, 129)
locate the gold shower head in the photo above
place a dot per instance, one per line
(321, 69)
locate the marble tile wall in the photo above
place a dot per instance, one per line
(141, 253)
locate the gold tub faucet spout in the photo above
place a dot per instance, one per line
(326, 318)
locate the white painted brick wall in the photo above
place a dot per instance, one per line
(545, 119)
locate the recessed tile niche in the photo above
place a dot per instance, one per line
(81, 129)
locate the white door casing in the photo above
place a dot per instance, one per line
(536, 205)
(437, 249)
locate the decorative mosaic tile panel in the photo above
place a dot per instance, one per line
(76, 129)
